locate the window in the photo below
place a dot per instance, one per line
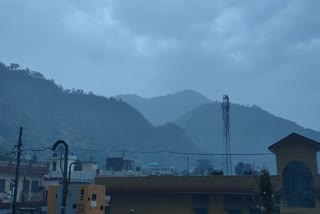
(297, 183)
(93, 200)
(34, 186)
(81, 194)
(94, 197)
(54, 165)
(2, 185)
(26, 186)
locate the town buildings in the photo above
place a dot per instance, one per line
(296, 187)
(81, 172)
(35, 177)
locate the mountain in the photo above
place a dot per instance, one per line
(252, 130)
(162, 109)
(48, 113)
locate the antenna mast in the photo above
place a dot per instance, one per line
(227, 164)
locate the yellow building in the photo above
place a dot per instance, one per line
(81, 199)
(296, 186)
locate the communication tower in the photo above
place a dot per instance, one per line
(227, 164)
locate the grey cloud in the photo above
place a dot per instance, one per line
(256, 48)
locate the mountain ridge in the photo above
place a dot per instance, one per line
(49, 112)
(162, 109)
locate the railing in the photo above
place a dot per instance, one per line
(119, 173)
(79, 176)
(143, 172)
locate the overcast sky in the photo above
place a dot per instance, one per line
(257, 52)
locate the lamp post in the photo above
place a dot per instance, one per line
(65, 181)
(69, 179)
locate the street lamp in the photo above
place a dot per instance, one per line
(73, 163)
(65, 181)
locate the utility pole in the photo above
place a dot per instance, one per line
(16, 182)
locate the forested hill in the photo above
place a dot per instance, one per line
(48, 113)
(252, 129)
(162, 109)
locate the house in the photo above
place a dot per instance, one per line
(296, 187)
(119, 164)
(83, 174)
(30, 185)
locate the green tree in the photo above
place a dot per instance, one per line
(265, 192)
(203, 167)
(241, 167)
(14, 66)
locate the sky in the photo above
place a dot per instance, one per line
(258, 52)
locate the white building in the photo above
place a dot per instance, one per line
(85, 174)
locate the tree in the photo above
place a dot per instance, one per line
(265, 192)
(241, 167)
(203, 167)
(14, 66)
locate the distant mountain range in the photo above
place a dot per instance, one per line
(185, 121)
(163, 109)
(252, 129)
(48, 113)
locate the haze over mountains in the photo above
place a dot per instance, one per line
(48, 113)
(252, 129)
(163, 109)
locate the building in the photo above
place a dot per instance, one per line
(31, 191)
(126, 167)
(83, 174)
(296, 187)
(84, 199)
(119, 164)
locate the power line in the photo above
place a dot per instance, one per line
(168, 151)
(40, 149)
